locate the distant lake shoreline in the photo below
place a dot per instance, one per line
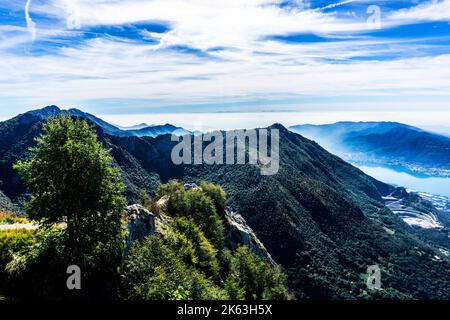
(432, 185)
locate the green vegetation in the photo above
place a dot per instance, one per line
(186, 260)
(13, 241)
(198, 205)
(324, 221)
(71, 180)
(154, 270)
(204, 251)
(76, 195)
(320, 218)
(9, 218)
(257, 278)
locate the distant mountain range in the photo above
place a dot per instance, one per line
(141, 130)
(322, 219)
(385, 143)
(135, 127)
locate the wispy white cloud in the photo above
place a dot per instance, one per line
(31, 25)
(204, 25)
(335, 5)
(434, 10)
(248, 64)
(104, 69)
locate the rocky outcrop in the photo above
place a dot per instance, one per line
(6, 204)
(140, 224)
(239, 232)
(190, 186)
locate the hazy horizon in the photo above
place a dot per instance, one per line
(121, 59)
(436, 122)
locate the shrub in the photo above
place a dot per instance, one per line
(233, 288)
(201, 208)
(257, 277)
(195, 242)
(153, 270)
(175, 191)
(196, 204)
(205, 252)
(38, 269)
(182, 246)
(9, 218)
(147, 202)
(13, 241)
(217, 195)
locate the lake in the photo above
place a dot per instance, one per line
(433, 185)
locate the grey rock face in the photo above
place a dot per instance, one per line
(190, 186)
(239, 232)
(141, 224)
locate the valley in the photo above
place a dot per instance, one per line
(320, 218)
(392, 145)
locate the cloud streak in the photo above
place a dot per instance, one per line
(224, 52)
(31, 25)
(335, 5)
(435, 10)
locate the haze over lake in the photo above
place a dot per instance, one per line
(433, 185)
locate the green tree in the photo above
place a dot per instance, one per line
(72, 179)
(256, 277)
(176, 193)
(202, 209)
(198, 205)
(233, 289)
(154, 270)
(217, 195)
(205, 252)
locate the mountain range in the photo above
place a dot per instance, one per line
(141, 130)
(384, 143)
(321, 218)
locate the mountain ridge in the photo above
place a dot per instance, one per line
(322, 219)
(385, 143)
(139, 130)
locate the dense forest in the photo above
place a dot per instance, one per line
(321, 219)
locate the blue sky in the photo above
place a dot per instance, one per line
(132, 57)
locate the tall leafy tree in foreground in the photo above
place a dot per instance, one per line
(72, 180)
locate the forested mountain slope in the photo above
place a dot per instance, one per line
(322, 219)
